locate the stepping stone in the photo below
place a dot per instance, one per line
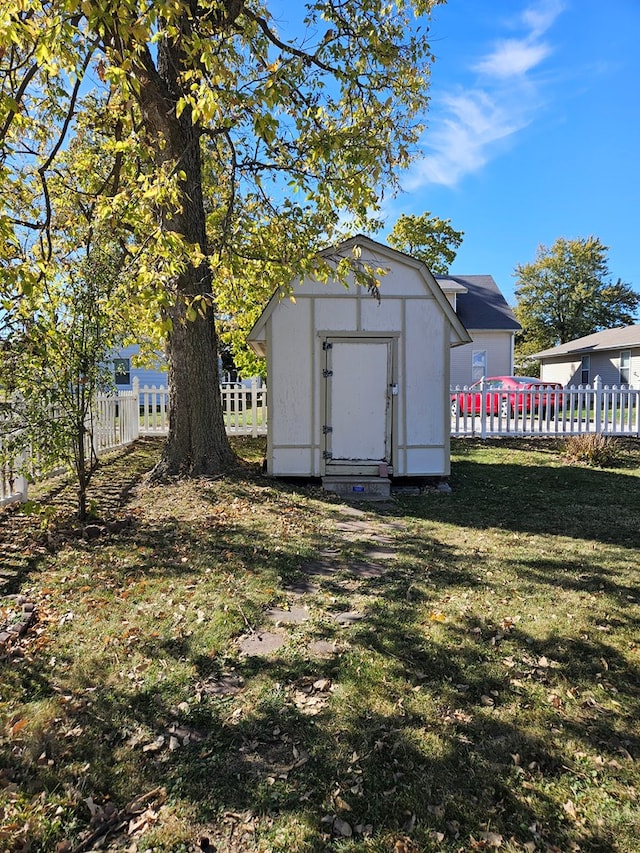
(367, 570)
(351, 510)
(380, 554)
(261, 644)
(293, 616)
(349, 617)
(226, 685)
(354, 526)
(380, 538)
(392, 525)
(322, 649)
(328, 553)
(301, 587)
(319, 568)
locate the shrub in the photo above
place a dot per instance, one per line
(600, 451)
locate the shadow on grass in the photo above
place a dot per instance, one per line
(427, 731)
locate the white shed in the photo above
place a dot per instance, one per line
(359, 387)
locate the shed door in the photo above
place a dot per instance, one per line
(358, 411)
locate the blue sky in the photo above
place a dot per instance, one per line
(533, 131)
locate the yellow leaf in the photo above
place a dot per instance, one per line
(437, 616)
(16, 727)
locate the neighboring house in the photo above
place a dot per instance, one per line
(124, 370)
(359, 387)
(613, 355)
(490, 322)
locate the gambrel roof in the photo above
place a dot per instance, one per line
(381, 255)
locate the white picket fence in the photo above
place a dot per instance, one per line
(121, 418)
(244, 407)
(578, 410)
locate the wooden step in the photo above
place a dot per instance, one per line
(358, 488)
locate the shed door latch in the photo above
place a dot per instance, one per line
(327, 373)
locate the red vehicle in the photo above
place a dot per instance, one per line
(506, 395)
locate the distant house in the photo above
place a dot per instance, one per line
(125, 371)
(613, 355)
(491, 324)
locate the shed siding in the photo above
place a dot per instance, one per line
(290, 411)
(403, 279)
(337, 313)
(384, 316)
(424, 372)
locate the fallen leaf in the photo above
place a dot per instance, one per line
(492, 839)
(154, 746)
(16, 727)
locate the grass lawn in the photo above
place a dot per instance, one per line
(488, 698)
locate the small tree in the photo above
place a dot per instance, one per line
(57, 362)
(429, 238)
(567, 293)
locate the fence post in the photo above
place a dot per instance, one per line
(483, 411)
(597, 402)
(135, 414)
(254, 407)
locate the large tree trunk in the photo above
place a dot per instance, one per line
(197, 442)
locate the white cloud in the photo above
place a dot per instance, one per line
(466, 126)
(512, 57)
(461, 142)
(539, 18)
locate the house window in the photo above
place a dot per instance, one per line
(478, 364)
(122, 370)
(625, 367)
(585, 370)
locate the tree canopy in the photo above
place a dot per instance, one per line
(567, 293)
(204, 134)
(429, 238)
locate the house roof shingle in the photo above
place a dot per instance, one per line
(482, 306)
(621, 338)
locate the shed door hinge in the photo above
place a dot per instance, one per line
(327, 454)
(326, 429)
(327, 345)
(327, 373)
